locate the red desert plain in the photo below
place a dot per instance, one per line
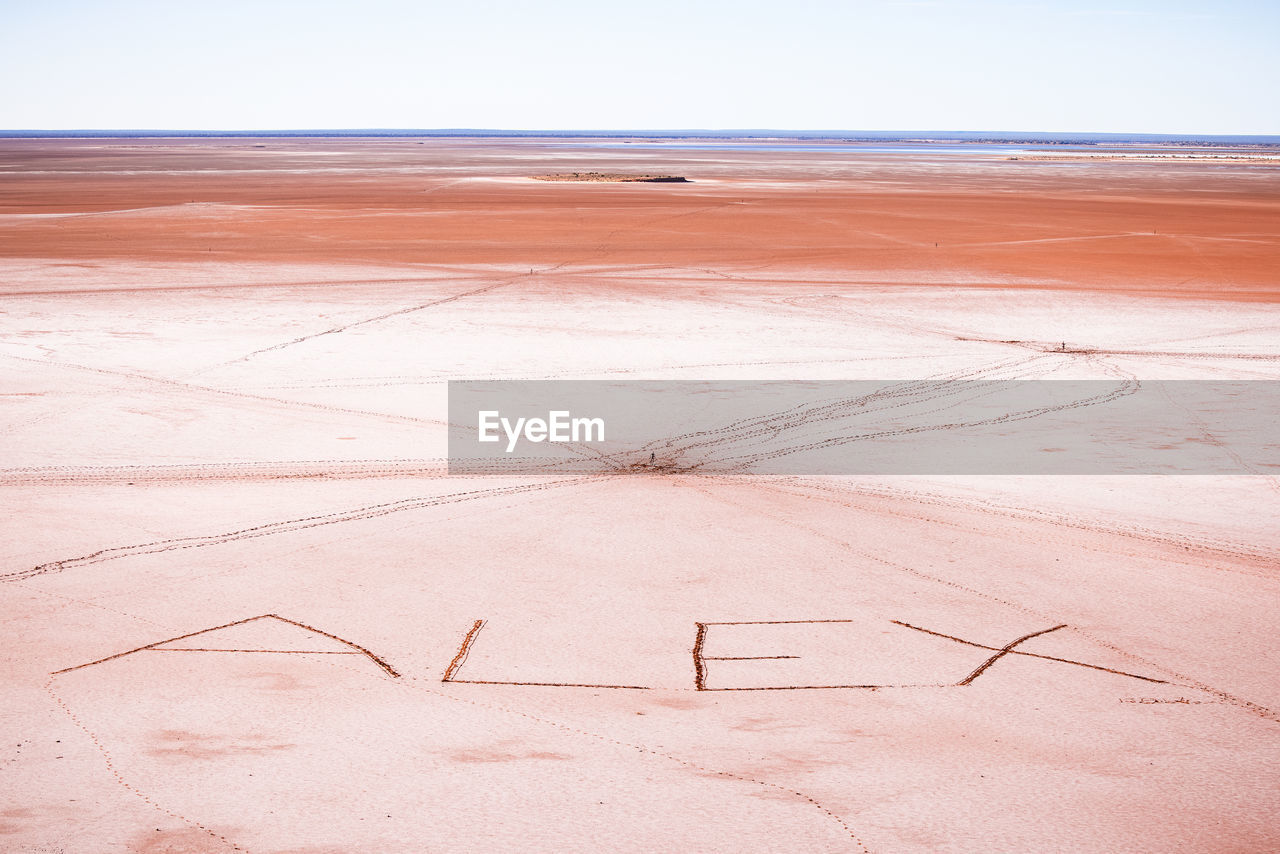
(248, 608)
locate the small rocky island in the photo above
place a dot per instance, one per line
(602, 177)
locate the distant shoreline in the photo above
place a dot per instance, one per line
(915, 137)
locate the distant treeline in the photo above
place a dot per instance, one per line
(986, 137)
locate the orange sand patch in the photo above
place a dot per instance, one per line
(1153, 228)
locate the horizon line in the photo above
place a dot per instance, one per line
(809, 133)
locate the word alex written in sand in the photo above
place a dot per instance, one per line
(558, 427)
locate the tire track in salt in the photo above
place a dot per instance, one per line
(283, 527)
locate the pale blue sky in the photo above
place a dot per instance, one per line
(1135, 66)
